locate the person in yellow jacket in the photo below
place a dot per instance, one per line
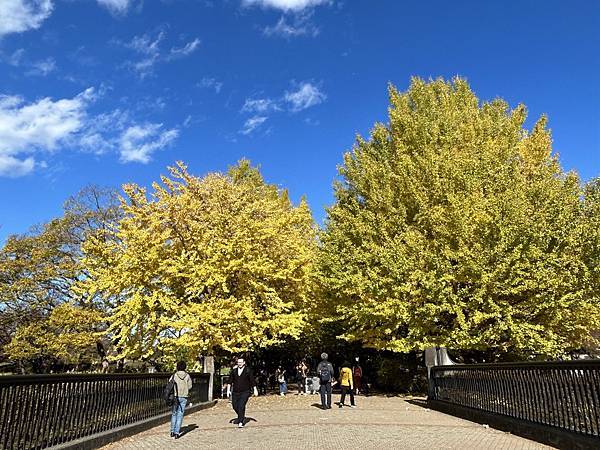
(346, 384)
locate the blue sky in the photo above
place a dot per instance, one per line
(113, 91)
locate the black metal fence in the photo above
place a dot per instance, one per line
(39, 411)
(563, 395)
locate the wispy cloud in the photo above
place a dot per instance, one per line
(43, 67)
(19, 59)
(17, 16)
(210, 83)
(138, 142)
(116, 7)
(252, 124)
(187, 49)
(305, 96)
(285, 5)
(301, 25)
(149, 48)
(260, 105)
(16, 58)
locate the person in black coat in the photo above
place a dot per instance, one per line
(241, 384)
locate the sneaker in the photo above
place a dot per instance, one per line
(177, 435)
(172, 434)
(352, 406)
(241, 425)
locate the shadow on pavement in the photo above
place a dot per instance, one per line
(418, 402)
(188, 428)
(317, 405)
(246, 420)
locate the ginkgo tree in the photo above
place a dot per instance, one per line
(203, 263)
(454, 225)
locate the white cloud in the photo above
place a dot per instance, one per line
(305, 96)
(17, 16)
(43, 124)
(187, 49)
(13, 168)
(116, 7)
(39, 126)
(47, 125)
(301, 26)
(260, 105)
(138, 142)
(285, 5)
(252, 124)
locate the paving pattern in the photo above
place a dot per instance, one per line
(295, 422)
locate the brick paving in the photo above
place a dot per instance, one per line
(293, 422)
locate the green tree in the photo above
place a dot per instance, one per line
(453, 225)
(219, 262)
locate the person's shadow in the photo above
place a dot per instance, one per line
(246, 420)
(318, 405)
(188, 428)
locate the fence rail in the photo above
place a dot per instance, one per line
(563, 395)
(40, 411)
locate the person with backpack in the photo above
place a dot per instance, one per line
(325, 373)
(346, 384)
(241, 385)
(180, 384)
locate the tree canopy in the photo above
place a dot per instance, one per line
(38, 271)
(454, 225)
(199, 264)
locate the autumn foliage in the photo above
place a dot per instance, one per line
(453, 225)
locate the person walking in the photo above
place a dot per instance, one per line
(301, 372)
(357, 373)
(241, 385)
(325, 372)
(183, 384)
(280, 374)
(346, 384)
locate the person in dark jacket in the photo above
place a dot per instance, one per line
(241, 384)
(325, 374)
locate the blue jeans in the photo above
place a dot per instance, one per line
(283, 388)
(177, 414)
(325, 389)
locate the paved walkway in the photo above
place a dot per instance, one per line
(294, 422)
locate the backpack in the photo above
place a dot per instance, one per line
(325, 374)
(170, 392)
